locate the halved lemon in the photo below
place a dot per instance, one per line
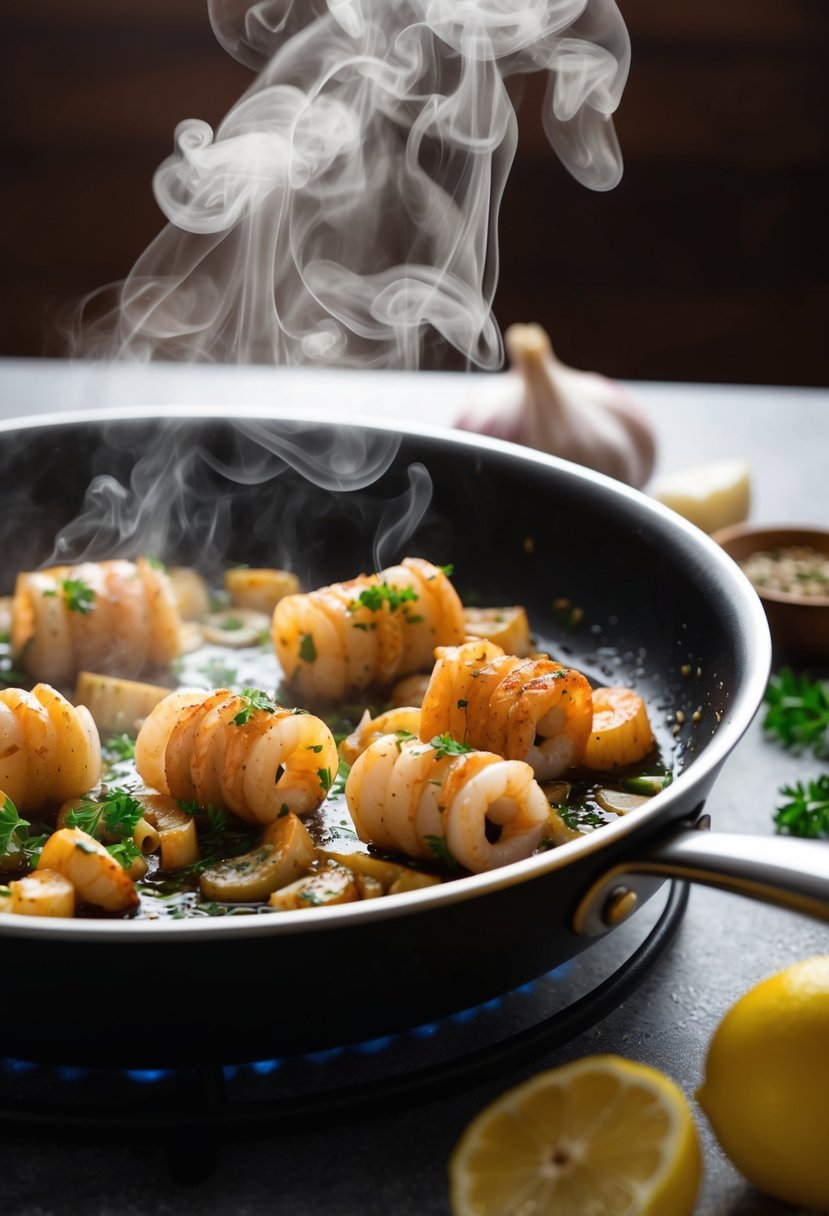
(766, 1090)
(601, 1135)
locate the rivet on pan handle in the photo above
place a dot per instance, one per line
(782, 870)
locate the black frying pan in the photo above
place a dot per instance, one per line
(662, 608)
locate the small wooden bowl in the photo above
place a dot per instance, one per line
(799, 624)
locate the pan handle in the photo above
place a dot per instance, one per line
(783, 870)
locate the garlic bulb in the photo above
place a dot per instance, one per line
(580, 416)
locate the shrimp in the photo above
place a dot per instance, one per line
(372, 629)
(92, 870)
(76, 762)
(417, 799)
(39, 746)
(162, 609)
(113, 617)
(218, 748)
(522, 709)
(620, 733)
(49, 749)
(151, 744)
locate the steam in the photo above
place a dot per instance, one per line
(344, 212)
(171, 488)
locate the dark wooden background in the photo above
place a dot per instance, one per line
(710, 261)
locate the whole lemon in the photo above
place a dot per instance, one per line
(766, 1089)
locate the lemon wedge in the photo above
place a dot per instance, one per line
(766, 1089)
(601, 1134)
(710, 495)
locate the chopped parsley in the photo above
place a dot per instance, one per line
(307, 649)
(120, 748)
(255, 699)
(78, 596)
(220, 835)
(440, 850)
(325, 778)
(231, 623)
(445, 745)
(218, 674)
(581, 816)
(375, 596)
(125, 851)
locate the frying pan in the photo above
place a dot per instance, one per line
(660, 606)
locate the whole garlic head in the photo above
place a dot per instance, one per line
(580, 416)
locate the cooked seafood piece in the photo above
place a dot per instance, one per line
(402, 720)
(621, 733)
(49, 749)
(95, 874)
(237, 752)
(370, 630)
(522, 709)
(442, 801)
(112, 617)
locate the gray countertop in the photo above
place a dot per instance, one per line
(725, 944)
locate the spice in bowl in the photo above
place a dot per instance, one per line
(791, 569)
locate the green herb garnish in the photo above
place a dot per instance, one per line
(797, 712)
(113, 817)
(220, 835)
(15, 839)
(120, 748)
(440, 849)
(13, 829)
(445, 745)
(125, 851)
(307, 649)
(378, 594)
(255, 699)
(807, 811)
(581, 816)
(77, 595)
(218, 674)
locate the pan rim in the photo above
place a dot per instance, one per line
(755, 660)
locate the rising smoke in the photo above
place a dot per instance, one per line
(344, 213)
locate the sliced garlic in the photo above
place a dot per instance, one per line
(236, 627)
(261, 589)
(617, 802)
(506, 627)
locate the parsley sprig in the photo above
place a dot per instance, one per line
(445, 745)
(806, 813)
(15, 839)
(112, 818)
(797, 712)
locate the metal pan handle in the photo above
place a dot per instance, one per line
(783, 870)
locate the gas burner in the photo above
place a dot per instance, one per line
(281, 1094)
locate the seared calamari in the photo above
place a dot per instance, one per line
(229, 750)
(440, 801)
(523, 709)
(115, 617)
(370, 630)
